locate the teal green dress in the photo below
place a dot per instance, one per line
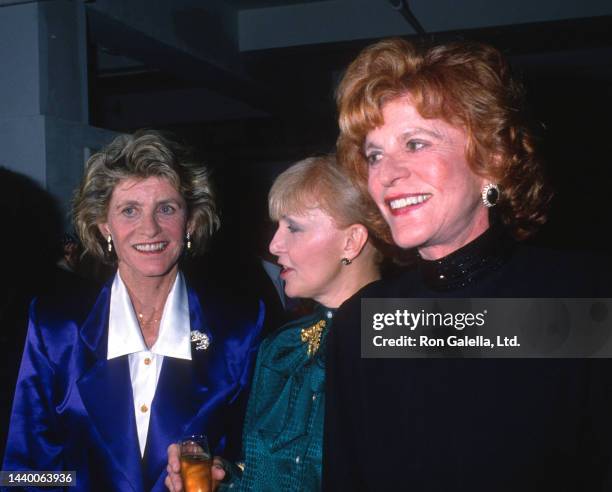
(283, 429)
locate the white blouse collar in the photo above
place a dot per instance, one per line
(124, 335)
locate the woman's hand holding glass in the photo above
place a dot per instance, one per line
(177, 482)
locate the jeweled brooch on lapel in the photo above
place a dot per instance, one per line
(312, 335)
(200, 339)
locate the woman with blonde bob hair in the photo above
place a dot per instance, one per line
(323, 246)
(142, 155)
(110, 377)
(437, 136)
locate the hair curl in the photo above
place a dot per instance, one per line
(468, 85)
(144, 154)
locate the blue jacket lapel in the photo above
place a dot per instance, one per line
(106, 392)
(182, 391)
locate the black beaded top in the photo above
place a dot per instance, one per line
(486, 253)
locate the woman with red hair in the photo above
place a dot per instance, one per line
(438, 138)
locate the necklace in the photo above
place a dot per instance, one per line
(150, 321)
(486, 253)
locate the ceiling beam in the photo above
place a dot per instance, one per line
(335, 21)
(179, 51)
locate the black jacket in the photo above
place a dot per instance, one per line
(471, 424)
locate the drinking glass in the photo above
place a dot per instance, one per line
(196, 462)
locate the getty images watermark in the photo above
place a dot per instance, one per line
(486, 328)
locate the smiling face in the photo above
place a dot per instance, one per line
(419, 178)
(309, 249)
(147, 221)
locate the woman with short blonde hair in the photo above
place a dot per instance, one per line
(109, 377)
(142, 155)
(323, 247)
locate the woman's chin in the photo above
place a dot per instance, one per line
(405, 240)
(292, 292)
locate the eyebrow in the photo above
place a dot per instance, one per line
(289, 219)
(132, 203)
(300, 221)
(409, 133)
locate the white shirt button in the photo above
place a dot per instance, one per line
(329, 314)
(297, 459)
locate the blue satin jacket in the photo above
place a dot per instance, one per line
(73, 408)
